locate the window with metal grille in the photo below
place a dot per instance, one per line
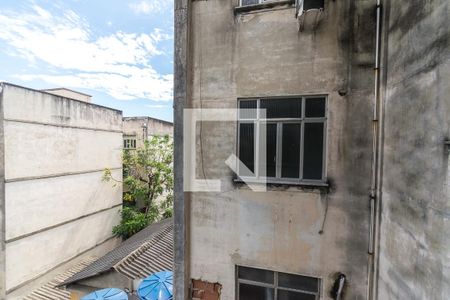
(129, 143)
(286, 136)
(259, 284)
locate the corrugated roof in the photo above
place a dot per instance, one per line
(52, 291)
(151, 243)
(153, 256)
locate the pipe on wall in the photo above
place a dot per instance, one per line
(377, 148)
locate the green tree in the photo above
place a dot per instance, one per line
(147, 184)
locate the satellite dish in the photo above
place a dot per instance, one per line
(158, 286)
(107, 294)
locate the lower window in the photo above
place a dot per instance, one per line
(259, 284)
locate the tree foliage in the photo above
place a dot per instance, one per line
(147, 185)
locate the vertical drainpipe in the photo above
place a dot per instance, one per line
(181, 98)
(377, 148)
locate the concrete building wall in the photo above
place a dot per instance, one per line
(262, 53)
(415, 240)
(63, 92)
(143, 127)
(55, 201)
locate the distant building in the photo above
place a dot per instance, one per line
(138, 129)
(67, 93)
(54, 206)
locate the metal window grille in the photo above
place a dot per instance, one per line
(129, 143)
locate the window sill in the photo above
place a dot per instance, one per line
(323, 185)
(260, 6)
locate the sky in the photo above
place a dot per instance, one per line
(118, 51)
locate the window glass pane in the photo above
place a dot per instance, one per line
(311, 4)
(291, 151)
(299, 282)
(246, 147)
(256, 275)
(313, 151)
(250, 109)
(315, 108)
(290, 295)
(252, 292)
(271, 150)
(282, 108)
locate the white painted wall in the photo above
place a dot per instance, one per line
(56, 204)
(34, 106)
(40, 150)
(38, 253)
(84, 194)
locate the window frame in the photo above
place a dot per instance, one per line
(129, 141)
(275, 286)
(278, 179)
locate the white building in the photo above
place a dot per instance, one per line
(54, 206)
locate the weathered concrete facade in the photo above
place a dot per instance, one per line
(415, 225)
(56, 206)
(140, 128)
(261, 53)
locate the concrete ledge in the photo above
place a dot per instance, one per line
(275, 184)
(261, 6)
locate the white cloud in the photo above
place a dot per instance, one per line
(147, 7)
(118, 64)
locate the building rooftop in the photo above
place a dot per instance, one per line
(49, 92)
(148, 251)
(65, 89)
(51, 290)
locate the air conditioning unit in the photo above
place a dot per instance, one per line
(309, 13)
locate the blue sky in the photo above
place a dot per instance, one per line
(118, 51)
